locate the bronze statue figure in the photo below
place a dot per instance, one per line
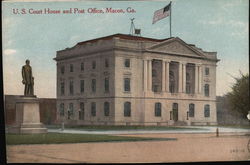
(28, 79)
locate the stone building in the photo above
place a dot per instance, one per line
(130, 80)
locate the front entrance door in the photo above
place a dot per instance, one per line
(175, 111)
(175, 114)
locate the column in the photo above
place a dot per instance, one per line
(167, 76)
(150, 75)
(184, 78)
(145, 75)
(180, 78)
(163, 82)
(196, 78)
(200, 78)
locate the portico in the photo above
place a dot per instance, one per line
(180, 77)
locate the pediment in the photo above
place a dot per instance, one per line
(177, 46)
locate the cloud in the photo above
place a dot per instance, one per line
(230, 5)
(239, 28)
(217, 21)
(9, 51)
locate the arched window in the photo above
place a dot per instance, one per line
(106, 108)
(61, 110)
(158, 109)
(191, 110)
(207, 110)
(127, 109)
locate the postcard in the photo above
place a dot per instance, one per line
(126, 81)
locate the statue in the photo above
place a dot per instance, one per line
(28, 79)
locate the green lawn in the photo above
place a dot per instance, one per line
(108, 128)
(57, 138)
(236, 126)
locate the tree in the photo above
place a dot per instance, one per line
(239, 96)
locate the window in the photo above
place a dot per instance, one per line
(62, 69)
(175, 112)
(71, 87)
(154, 74)
(82, 86)
(172, 82)
(156, 88)
(206, 90)
(93, 109)
(188, 77)
(82, 66)
(127, 63)
(191, 110)
(175, 106)
(81, 112)
(93, 85)
(207, 110)
(127, 84)
(106, 84)
(93, 64)
(106, 108)
(188, 88)
(127, 109)
(206, 71)
(71, 68)
(71, 110)
(106, 63)
(157, 109)
(62, 88)
(61, 110)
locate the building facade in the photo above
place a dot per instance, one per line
(130, 80)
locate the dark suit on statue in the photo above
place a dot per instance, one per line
(28, 80)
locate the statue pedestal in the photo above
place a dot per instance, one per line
(27, 117)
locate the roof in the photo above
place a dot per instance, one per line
(124, 36)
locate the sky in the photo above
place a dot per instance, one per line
(213, 25)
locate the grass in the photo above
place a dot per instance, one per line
(57, 138)
(235, 126)
(108, 128)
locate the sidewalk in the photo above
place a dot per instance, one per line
(202, 129)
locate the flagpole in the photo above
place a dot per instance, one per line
(170, 17)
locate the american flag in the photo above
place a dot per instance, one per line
(161, 13)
